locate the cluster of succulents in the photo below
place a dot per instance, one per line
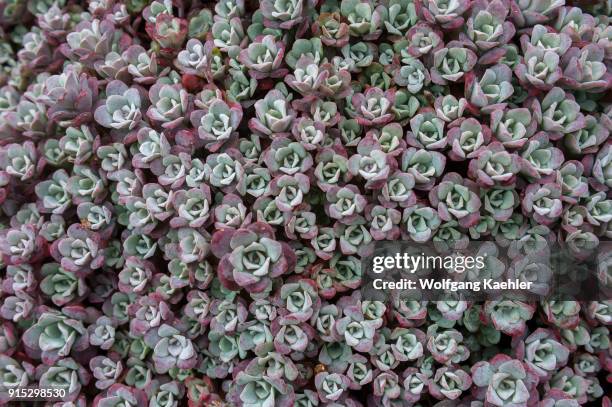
(187, 189)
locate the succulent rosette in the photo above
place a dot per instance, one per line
(493, 165)
(456, 198)
(509, 316)
(90, 41)
(142, 65)
(192, 207)
(119, 394)
(195, 59)
(223, 170)
(412, 74)
(449, 384)
(217, 126)
(372, 165)
(289, 191)
(544, 201)
(558, 114)
(250, 257)
(512, 127)
(543, 352)
(487, 27)
(56, 334)
(467, 139)
(384, 223)
(492, 90)
(122, 110)
(274, 115)
(448, 16)
(530, 13)
(373, 106)
(258, 386)
(345, 203)
(80, 250)
(169, 104)
(588, 138)
(18, 160)
(282, 16)
(540, 159)
(228, 36)
(420, 222)
(364, 18)
(450, 64)
(288, 157)
(70, 98)
(506, 381)
(170, 349)
(425, 166)
(169, 33)
(427, 131)
(584, 69)
(263, 58)
(65, 374)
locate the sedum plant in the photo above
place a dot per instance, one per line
(188, 191)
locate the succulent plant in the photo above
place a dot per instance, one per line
(195, 59)
(374, 106)
(274, 116)
(254, 257)
(467, 139)
(65, 374)
(541, 68)
(56, 334)
(142, 65)
(289, 191)
(216, 127)
(492, 90)
(456, 199)
(558, 114)
(79, 250)
(449, 384)
(282, 16)
(169, 104)
(420, 222)
(19, 160)
(412, 74)
(373, 166)
(106, 371)
(427, 131)
(170, 349)
(264, 58)
(188, 193)
(451, 64)
(229, 36)
(540, 158)
(60, 285)
(70, 98)
(487, 27)
(30, 118)
(544, 201)
(493, 165)
(90, 41)
(168, 31)
(364, 18)
(509, 316)
(543, 352)
(506, 381)
(330, 386)
(122, 108)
